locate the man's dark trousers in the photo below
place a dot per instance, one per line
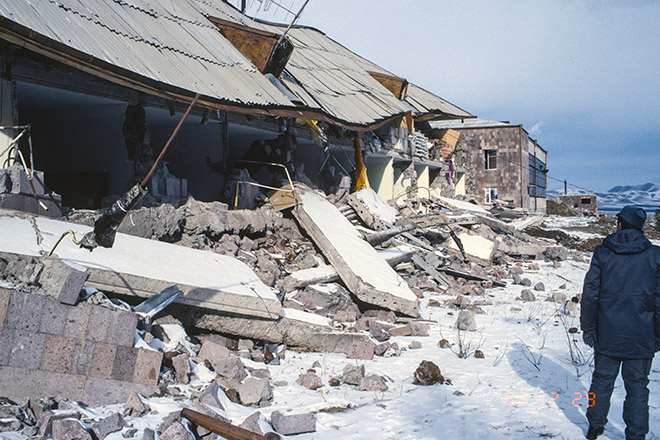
(635, 373)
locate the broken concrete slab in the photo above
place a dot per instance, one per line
(70, 429)
(295, 328)
(325, 273)
(372, 210)
(366, 274)
(476, 246)
(140, 267)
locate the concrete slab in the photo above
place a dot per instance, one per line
(295, 328)
(141, 267)
(373, 210)
(366, 274)
(476, 246)
(325, 273)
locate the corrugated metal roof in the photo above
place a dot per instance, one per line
(168, 42)
(468, 123)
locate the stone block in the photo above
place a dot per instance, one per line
(124, 365)
(255, 392)
(103, 361)
(5, 295)
(63, 280)
(467, 321)
(181, 365)
(99, 391)
(176, 431)
(231, 367)
(147, 367)
(293, 423)
(70, 429)
(122, 329)
(57, 354)
(402, 330)
(108, 425)
(48, 418)
(76, 321)
(27, 349)
(6, 344)
(27, 203)
(361, 350)
(100, 321)
(24, 311)
(19, 383)
(82, 357)
(212, 351)
(20, 183)
(419, 328)
(53, 317)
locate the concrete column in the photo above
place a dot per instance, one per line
(8, 109)
(380, 172)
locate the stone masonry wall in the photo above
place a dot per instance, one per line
(507, 176)
(83, 352)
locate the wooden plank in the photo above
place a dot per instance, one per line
(217, 426)
(440, 278)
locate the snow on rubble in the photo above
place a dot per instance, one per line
(521, 371)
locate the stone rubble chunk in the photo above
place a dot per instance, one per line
(527, 295)
(428, 373)
(257, 423)
(393, 351)
(63, 280)
(382, 315)
(403, 330)
(108, 425)
(526, 282)
(533, 266)
(352, 374)
(539, 287)
(557, 297)
(517, 279)
(176, 431)
(148, 434)
(373, 382)
(70, 429)
(466, 321)
(310, 381)
(45, 423)
(292, 424)
(255, 392)
(382, 348)
(231, 368)
(181, 365)
(212, 352)
(129, 433)
(415, 345)
(135, 406)
(418, 328)
(10, 425)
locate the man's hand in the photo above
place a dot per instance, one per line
(590, 339)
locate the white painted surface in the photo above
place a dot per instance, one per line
(135, 256)
(359, 255)
(377, 206)
(459, 204)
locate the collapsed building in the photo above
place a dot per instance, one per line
(307, 201)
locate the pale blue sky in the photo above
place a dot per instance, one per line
(583, 77)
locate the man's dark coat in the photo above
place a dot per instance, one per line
(621, 296)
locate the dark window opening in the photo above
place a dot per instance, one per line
(490, 159)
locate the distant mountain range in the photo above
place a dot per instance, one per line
(646, 196)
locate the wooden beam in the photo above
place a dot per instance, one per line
(217, 426)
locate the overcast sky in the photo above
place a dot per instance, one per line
(583, 77)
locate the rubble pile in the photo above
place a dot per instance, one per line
(210, 360)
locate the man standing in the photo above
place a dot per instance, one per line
(620, 319)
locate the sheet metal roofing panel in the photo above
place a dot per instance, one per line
(169, 42)
(469, 123)
(426, 101)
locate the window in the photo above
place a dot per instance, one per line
(585, 200)
(490, 159)
(491, 194)
(537, 177)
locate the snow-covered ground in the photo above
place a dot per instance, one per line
(526, 387)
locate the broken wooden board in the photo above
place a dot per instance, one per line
(366, 274)
(325, 273)
(140, 267)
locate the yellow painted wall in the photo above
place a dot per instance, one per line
(380, 173)
(423, 182)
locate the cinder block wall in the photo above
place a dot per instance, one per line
(82, 352)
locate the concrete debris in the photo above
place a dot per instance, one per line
(291, 423)
(177, 431)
